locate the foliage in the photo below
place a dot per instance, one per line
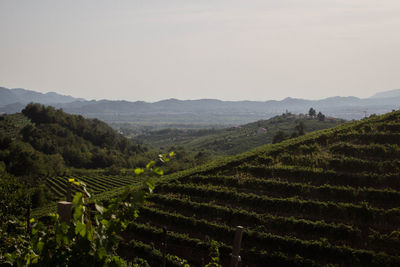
(299, 129)
(22, 159)
(214, 255)
(14, 199)
(91, 238)
(42, 143)
(87, 143)
(279, 137)
(320, 116)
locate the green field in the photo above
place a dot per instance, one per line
(330, 197)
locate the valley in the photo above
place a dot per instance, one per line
(307, 190)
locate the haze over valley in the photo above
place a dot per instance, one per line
(202, 113)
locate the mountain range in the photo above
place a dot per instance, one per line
(200, 112)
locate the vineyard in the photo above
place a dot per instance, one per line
(96, 183)
(330, 197)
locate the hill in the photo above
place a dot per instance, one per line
(234, 140)
(23, 96)
(387, 94)
(329, 197)
(201, 112)
(216, 112)
(42, 143)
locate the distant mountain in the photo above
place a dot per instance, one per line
(202, 112)
(217, 112)
(387, 94)
(23, 96)
(7, 97)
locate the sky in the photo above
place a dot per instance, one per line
(188, 49)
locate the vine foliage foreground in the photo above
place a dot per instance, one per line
(91, 238)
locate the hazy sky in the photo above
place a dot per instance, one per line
(190, 49)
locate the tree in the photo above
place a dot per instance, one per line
(312, 112)
(300, 128)
(320, 116)
(14, 197)
(279, 137)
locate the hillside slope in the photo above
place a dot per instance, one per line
(329, 197)
(32, 142)
(234, 140)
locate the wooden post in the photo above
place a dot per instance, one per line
(235, 257)
(164, 246)
(64, 209)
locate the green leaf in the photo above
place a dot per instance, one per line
(35, 259)
(90, 232)
(101, 253)
(151, 163)
(171, 154)
(123, 225)
(139, 171)
(80, 228)
(64, 227)
(78, 212)
(150, 184)
(77, 199)
(105, 222)
(59, 238)
(40, 246)
(66, 240)
(136, 214)
(158, 171)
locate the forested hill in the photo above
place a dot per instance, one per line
(234, 140)
(330, 197)
(43, 140)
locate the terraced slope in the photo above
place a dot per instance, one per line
(96, 183)
(330, 197)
